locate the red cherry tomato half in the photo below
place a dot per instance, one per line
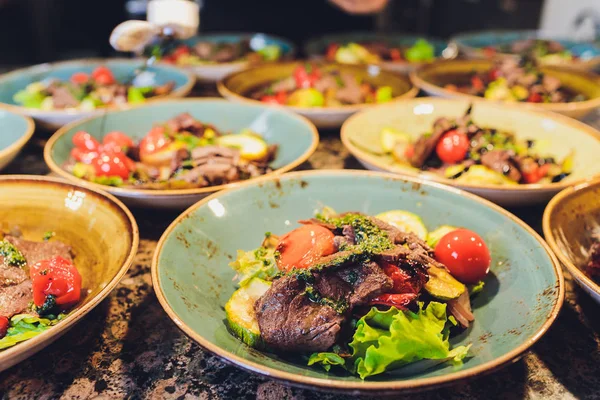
(85, 141)
(112, 163)
(409, 151)
(305, 79)
(477, 83)
(534, 172)
(395, 55)
(80, 78)
(58, 277)
(3, 326)
(303, 246)
(465, 254)
(331, 50)
(84, 156)
(279, 98)
(103, 76)
(154, 141)
(452, 147)
(180, 51)
(535, 98)
(489, 52)
(494, 74)
(400, 301)
(118, 140)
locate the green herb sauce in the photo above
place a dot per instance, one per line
(12, 256)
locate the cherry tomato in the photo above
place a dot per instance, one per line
(494, 74)
(534, 98)
(112, 163)
(180, 51)
(117, 141)
(409, 151)
(58, 277)
(279, 98)
(400, 301)
(403, 282)
(84, 156)
(305, 79)
(154, 141)
(489, 52)
(80, 78)
(331, 50)
(452, 147)
(103, 76)
(477, 83)
(85, 141)
(3, 326)
(533, 173)
(303, 246)
(395, 55)
(465, 254)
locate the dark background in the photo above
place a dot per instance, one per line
(33, 31)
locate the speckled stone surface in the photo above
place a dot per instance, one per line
(128, 348)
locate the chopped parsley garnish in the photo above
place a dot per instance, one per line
(48, 235)
(12, 256)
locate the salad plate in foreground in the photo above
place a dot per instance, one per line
(321, 285)
(63, 248)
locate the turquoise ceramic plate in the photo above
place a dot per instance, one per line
(316, 48)
(217, 71)
(472, 44)
(297, 139)
(192, 280)
(123, 69)
(16, 131)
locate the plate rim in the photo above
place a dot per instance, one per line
(364, 386)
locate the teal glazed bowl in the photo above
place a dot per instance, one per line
(123, 69)
(473, 45)
(317, 47)
(216, 71)
(296, 136)
(16, 130)
(192, 280)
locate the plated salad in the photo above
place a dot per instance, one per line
(374, 52)
(87, 92)
(365, 294)
(202, 53)
(516, 81)
(321, 86)
(179, 153)
(542, 50)
(39, 285)
(460, 149)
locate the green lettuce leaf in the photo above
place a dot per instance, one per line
(476, 288)
(259, 263)
(25, 326)
(388, 340)
(422, 50)
(326, 360)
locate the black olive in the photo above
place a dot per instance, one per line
(560, 177)
(530, 144)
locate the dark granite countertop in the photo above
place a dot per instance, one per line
(127, 347)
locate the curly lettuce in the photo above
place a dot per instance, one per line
(387, 340)
(26, 326)
(259, 263)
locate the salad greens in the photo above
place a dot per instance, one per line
(386, 340)
(258, 263)
(25, 326)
